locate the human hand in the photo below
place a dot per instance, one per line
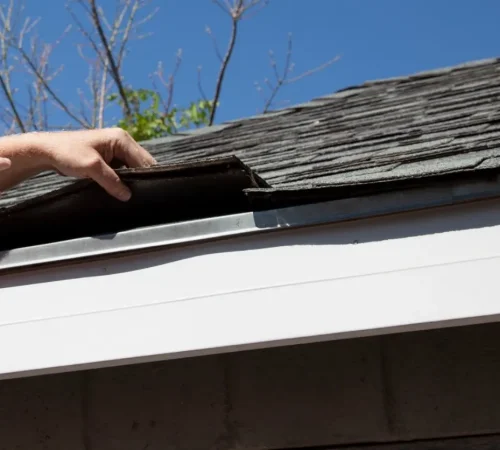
(80, 154)
(89, 153)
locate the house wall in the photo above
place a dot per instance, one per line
(412, 386)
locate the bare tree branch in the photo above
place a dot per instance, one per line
(109, 48)
(126, 32)
(236, 11)
(208, 30)
(147, 18)
(115, 30)
(313, 71)
(235, 16)
(9, 123)
(158, 91)
(168, 84)
(280, 80)
(284, 79)
(87, 35)
(31, 124)
(260, 3)
(8, 96)
(225, 8)
(101, 66)
(102, 98)
(171, 80)
(14, 31)
(111, 59)
(47, 87)
(103, 16)
(200, 85)
(6, 20)
(274, 65)
(222, 71)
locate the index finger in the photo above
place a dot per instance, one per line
(109, 180)
(131, 153)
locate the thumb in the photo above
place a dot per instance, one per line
(5, 163)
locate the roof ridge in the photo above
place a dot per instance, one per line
(343, 92)
(351, 90)
(426, 73)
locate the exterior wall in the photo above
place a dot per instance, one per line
(425, 385)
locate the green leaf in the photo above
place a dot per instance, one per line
(148, 121)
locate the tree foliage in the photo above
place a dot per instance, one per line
(147, 120)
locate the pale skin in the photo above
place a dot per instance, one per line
(80, 154)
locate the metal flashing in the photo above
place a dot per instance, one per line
(213, 228)
(304, 193)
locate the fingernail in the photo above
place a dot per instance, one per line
(124, 194)
(5, 163)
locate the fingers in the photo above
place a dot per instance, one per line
(96, 151)
(5, 163)
(130, 152)
(107, 178)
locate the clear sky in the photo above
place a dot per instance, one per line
(375, 38)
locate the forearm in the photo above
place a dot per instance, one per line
(27, 159)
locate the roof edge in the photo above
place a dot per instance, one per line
(451, 192)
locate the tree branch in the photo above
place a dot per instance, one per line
(87, 35)
(225, 62)
(102, 98)
(6, 21)
(282, 80)
(225, 8)
(171, 80)
(45, 84)
(312, 71)
(112, 63)
(208, 30)
(200, 85)
(236, 11)
(126, 32)
(12, 105)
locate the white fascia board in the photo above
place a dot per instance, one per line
(403, 272)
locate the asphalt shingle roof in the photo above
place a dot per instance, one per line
(432, 123)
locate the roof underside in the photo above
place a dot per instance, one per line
(433, 124)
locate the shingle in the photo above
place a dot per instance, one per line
(431, 123)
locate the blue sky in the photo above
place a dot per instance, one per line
(375, 39)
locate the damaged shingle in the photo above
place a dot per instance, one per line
(159, 195)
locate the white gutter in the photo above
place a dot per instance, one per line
(402, 272)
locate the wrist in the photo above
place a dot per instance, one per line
(28, 151)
